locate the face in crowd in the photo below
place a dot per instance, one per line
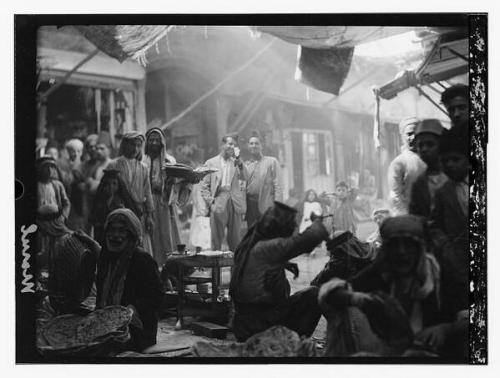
(427, 145)
(154, 144)
(46, 172)
(341, 191)
(228, 146)
(254, 146)
(455, 165)
(53, 152)
(403, 253)
(118, 236)
(132, 148)
(408, 136)
(311, 196)
(111, 186)
(102, 152)
(74, 153)
(91, 148)
(458, 111)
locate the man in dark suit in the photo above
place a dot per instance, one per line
(427, 137)
(225, 194)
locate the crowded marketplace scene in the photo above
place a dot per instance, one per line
(252, 191)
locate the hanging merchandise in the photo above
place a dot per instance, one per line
(324, 69)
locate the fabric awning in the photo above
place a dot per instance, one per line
(326, 51)
(324, 37)
(124, 41)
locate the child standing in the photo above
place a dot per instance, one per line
(341, 207)
(311, 205)
(200, 234)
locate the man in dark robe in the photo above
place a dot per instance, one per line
(71, 266)
(128, 276)
(259, 287)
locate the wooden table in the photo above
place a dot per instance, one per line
(214, 261)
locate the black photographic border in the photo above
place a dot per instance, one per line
(25, 133)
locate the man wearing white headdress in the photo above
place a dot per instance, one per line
(168, 193)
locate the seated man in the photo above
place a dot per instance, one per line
(128, 276)
(72, 263)
(259, 287)
(393, 300)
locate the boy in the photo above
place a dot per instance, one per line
(427, 139)
(343, 215)
(456, 101)
(450, 215)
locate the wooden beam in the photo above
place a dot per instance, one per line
(44, 96)
(420, 90)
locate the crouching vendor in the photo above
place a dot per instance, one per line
(387, 306)
(128, 276)
(259, 287)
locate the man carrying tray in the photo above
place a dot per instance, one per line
(225, 194)
(168, 193)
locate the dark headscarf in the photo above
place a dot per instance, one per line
(99, 210)
(427, 270)
(43, 162)
(159, 132)
(112, 270)
(277, 221)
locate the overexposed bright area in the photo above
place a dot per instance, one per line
(399, 44)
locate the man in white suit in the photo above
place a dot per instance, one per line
(225, 194)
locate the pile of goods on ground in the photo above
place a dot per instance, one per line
(277, 341)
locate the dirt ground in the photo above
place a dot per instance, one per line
(175, 342)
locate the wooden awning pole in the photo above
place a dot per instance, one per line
(420, 90)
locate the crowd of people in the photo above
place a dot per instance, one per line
(107, 226)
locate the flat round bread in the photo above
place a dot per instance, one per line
(68, 331)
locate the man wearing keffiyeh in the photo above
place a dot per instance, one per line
(135, 174)
(395, 304)
(128, 276)
(168, 193)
